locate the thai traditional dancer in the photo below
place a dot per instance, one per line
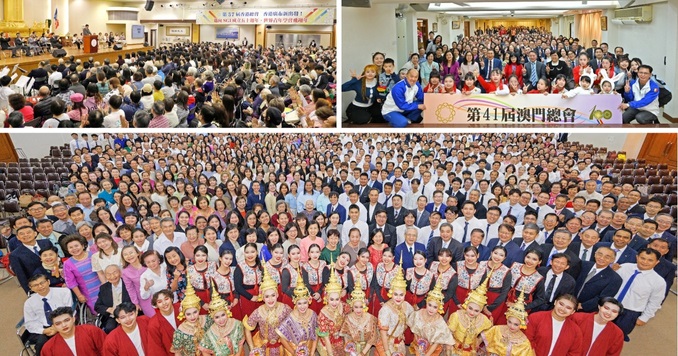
(298, 331)
(509, 339)
(360, 327)
(431, 335)
(468, 322)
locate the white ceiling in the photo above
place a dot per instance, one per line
(505, 8)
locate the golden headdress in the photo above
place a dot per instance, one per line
(267, 283)
(217, 303)
(300, 291)
(191, 300)
(517, 310)
(478, 295)
(333, 285)
(437, 295)
(358, 294)
(398, 282)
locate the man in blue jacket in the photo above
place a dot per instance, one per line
(642, 96)
(405, 102)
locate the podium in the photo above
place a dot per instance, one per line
(91, 43)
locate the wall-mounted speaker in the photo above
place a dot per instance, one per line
(149, 5)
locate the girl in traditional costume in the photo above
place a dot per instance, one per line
(267, 317)
(525, 278)
(199, 273)
(468, 322)
(225, 283)
(500, 282)
(419, 281)
(331, 318)
(298, 331)
(509, 339)
(360, 328)
(226, 335)
(289, 276)
(393, 318)
(315, 275)
(431, 334)
(446, 276)
(187, 337)
(383, 275)
(470, 273)
(362, 270)
(247, 277)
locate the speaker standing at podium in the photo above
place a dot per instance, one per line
(86, 31)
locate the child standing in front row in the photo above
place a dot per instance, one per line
(583, 88)
(470, 85)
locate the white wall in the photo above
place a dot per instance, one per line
(652, 42)
(164, 38)
(38, 148)
(365, 31)
(209, 33)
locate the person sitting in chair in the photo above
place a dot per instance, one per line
(111, 294)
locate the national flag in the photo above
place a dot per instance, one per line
(56, 20)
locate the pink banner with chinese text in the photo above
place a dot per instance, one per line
(552, 109)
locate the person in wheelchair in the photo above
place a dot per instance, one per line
(37, 308)
(111, 294)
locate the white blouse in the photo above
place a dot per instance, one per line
(159, 282)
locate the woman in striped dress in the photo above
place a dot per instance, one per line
(78, 272)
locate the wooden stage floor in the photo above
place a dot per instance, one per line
(29, 63)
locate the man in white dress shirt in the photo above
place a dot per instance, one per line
(39, 305)
(641, 292)
(354, 220)
(541, 207)
(466, 223)
(491, 224)
(169, 237)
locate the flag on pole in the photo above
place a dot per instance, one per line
(56, 20)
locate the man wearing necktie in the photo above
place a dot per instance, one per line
(24, 260)
(556, 282)
(597, 280)
(407, 249)
(534, 70)
(38, 307)
(642, 291)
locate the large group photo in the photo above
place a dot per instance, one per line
(422, 244)
(507, 64)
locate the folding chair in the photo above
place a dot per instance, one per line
(22, 334)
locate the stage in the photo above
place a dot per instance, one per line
(29, 63)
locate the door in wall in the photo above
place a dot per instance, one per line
(660, 148)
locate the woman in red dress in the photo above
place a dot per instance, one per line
(525, 278)
(470, 273)
(315, 275)
(381, 283)
(500, 282)
(447, 277)
(247, 278)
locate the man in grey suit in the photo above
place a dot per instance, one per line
(86, 31)
(445, 240)
(534, 70)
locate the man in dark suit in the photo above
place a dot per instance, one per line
(643, 235)
(620, 245)
(405, 251)
(602, 224)
(455, 192)
(25, 258)
(513, 252)
(556, 282)
(373, 205)
(380, 222)
(420, 213)
(363, 189)
(445, 240)
(564, 214)
(597, 280)
(528, 241)
(665, 268)
(561, 241)
(481, 211)
(111, 294)
(534, 70)
(591, 50)
(488, 64)
(597, 59)
(396, 213)
(334, 206)
(584, 248)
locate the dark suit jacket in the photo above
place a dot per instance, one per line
(227, 245)
(460, 197)
(567, 213)
(496, 63)
(105, 299)
(671, 238)
(331, 183)
(575, 262)
(365, 195)
(407, 257)
(636, 210)
(24, 262)
(527, 73)
(483, 252)
(666, 270)
(370, 218)
(628, 256)
(340, 210)
(436, 244)
(390, 216)
(377, 185)
(575, 247)
(637, 242)
(607, 230)
(514, 254)
(566, 286)
(423, 221)
(604, 284)
(532, 246)
(390, 235)
(481, 212)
